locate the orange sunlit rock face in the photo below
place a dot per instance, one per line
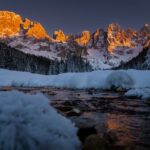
(117, 37)
(9, 24)
(27, 23)
(37, 31)
(146, 29)
(132, 33)
(147, 44)
(145, 32)
(97, 34)
(84, 38)
(60, 36)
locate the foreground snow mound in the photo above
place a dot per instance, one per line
(27, 122)
(119, 79)
(140, 93)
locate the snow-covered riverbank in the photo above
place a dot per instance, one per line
(127, 79)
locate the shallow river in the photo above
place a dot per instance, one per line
(128, 119)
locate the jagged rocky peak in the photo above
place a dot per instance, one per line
(98, 39)
(27, 24)
(84, 38)
(37, 31)
(60, 36)
(144, 35)
(146, 28)
(11, 24)
(132, 33)
(97, 34)
(117, 37)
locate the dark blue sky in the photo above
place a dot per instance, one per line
(73, 16)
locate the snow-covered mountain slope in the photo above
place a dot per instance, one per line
(140, 62)
(147, 60)
(15, 59)
(100, 50)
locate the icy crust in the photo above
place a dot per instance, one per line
(102, 79)
(27, 122)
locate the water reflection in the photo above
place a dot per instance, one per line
(128, 128)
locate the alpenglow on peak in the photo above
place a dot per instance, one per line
(11, 24)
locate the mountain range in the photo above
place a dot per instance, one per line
(26, 46)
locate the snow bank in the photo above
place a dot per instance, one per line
(120, 79)
(103, 79)
(27, 122)
(140, 93)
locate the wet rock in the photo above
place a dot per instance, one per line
(83, 122)
(126, 146)
(110, 136)
(64, 108)
(83, 133)
(131, 97)
(90, 92)
(68, 103)
(50, 93)
(130, 146)
(74, 112)
(120, 89)
(95, 142)
(148, 102)
(6, 88)
(86, 127)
